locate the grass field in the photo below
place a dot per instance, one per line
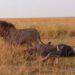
(13, 60)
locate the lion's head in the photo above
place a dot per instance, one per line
(4, 27)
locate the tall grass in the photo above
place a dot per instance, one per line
(55, 30)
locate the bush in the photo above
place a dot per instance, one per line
(57, 33)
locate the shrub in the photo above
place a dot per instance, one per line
(57, 33)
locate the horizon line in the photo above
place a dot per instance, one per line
(36, 17)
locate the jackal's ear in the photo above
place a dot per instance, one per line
(49, 43)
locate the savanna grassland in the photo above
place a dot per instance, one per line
(14, 61)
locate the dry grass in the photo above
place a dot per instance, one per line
(14, 61)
